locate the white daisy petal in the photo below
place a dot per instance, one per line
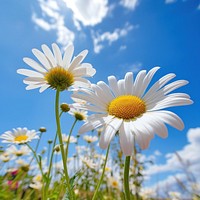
(31, 73)
(42, 58)
(126, 139)
(121, 86)
(100, 93)
(49, 55)
(170, 118)
(30, 87)
(83, 54)
(57, 54)
(44, 87)
(76, 61)
(106, 89)
(113, 85)
(83, 71)
(138, 82)
(68, 55)
(81, 82)
(147, 80)
(128, 83)
(159, 84)
(34, 65)
(109, 132)
(171, 102)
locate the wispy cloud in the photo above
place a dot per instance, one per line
(189, 155)
(183, 165)
(51, 19)
(84, 15)
(130, 4)
(99, 40)
(135, 67)
(88, 12)
(170, 1)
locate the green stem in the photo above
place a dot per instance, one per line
(59, 133)
(40, 167)
(68, 139)
(102, 175)
(126, 178)
(50, 164)
(36, 157)
(36, 148)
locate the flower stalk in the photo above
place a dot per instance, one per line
(59, 133)
(102, 175)
(126, 178)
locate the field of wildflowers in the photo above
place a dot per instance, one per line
(120, 117)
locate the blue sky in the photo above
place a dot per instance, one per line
(121, 36)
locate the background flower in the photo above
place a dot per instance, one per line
(19, 136)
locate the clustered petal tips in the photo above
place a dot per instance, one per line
(54, 71)
(19, 136)
(128, 107)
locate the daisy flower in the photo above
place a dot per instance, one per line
(113, 182)
(5, 157)
(79, 114)
(19, 136)
(56, 71)
(89, 163)
(133, 108)
(66, 137)
(13, 150)
(90, 139)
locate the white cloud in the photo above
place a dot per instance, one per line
(52, 20)
(187, 157)
(183, 164)
(135, 67)
(110, 37)
(88, 12)
(130, 4)
(170, 1)
(123, 47)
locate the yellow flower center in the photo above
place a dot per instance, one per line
(127, 107)
(21, 138)
(58, 77)
(115, 184)
(19, 153)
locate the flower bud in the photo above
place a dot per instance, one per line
(42, 129)
(64, 107)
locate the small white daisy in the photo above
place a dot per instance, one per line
(79, 114)
(128, 107)
(71, 140)
(19, 136)
(54, 71)
(113, 182)
(37, 185)
(5, 157)
(14, 151)
(90, 139)
(89, 163)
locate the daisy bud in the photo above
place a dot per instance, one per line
(64, 107)
(25, 168)
(57, 148)
(42, 129)
(79, 116)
